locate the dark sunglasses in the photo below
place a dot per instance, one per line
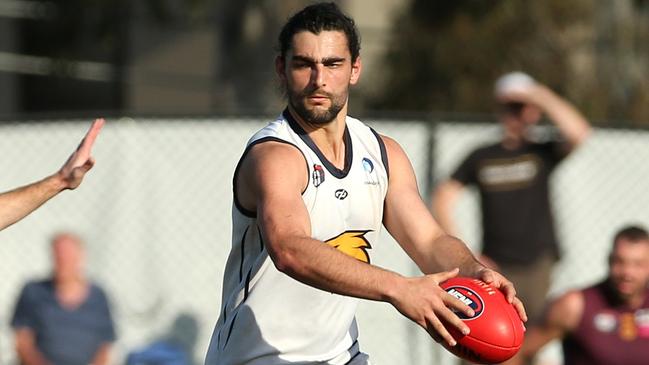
(513, 108)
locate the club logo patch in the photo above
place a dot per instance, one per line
(605, 322)
(370, 175)
(642, 322)
(468, 297)
(368, 166)
(341, 194)
(628, 331)
(318, 175)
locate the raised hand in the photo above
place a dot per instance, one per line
(80, 161)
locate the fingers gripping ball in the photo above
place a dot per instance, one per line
(496, 329)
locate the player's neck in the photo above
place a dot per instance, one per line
(328, 136)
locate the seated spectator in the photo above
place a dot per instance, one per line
(64, 319)
(607, 323)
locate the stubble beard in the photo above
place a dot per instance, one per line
(316, 115)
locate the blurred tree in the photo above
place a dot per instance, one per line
(445, 56)
(238, 40)
(247, 32)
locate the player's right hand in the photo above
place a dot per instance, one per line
(423, 301)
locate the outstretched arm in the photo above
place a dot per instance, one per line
(18, 203)
(409, 221)
(443, 204)
(562, 317)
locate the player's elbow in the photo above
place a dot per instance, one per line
(284, 264)
(579, 135)
(584, 134)
(284, 260)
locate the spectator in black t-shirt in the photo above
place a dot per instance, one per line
(512, 176)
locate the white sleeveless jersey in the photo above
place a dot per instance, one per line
(266, 316)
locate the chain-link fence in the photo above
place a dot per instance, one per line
(155, 215)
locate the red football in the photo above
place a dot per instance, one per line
(496, 329)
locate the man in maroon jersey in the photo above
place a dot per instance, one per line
(607, 323)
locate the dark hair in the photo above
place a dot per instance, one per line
(317, 18)
(632, 233)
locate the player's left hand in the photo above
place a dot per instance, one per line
(497, 280)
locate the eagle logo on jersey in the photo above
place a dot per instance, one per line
(352, 243)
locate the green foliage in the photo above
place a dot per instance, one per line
(445, 55)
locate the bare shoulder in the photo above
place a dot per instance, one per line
(397, 157)
(273, 150)
(269, 167)
(572, 301)
(269, 156)
(567, 310)
(391, 145)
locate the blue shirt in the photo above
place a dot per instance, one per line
(64, 336)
